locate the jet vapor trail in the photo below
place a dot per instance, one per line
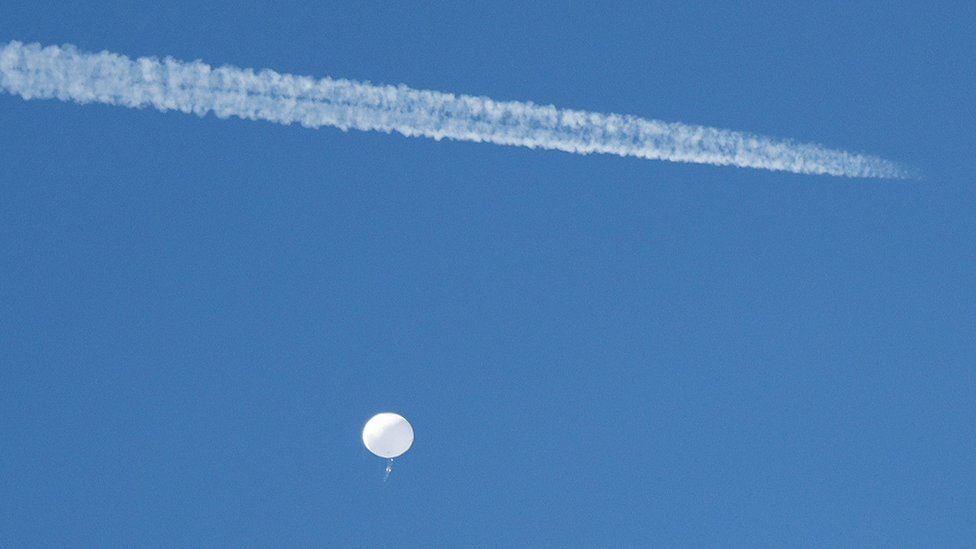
(65, 73)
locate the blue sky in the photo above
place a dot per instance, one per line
(198, 315)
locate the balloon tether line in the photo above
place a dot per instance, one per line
(389, 467)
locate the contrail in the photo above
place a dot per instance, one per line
(65, 73)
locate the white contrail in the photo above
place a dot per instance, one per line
(36, 72)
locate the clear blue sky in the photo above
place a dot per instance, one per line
(198, 315)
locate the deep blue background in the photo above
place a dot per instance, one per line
(198, 315)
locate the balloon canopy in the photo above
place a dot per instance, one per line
(388, 435)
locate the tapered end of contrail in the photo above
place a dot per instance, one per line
(880, 168)
(886, 169)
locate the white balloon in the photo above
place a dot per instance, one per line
(388, 435)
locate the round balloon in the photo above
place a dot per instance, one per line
(388, 435)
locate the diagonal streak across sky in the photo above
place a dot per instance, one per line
(63, 72)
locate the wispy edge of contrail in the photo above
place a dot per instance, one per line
(63, 72)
